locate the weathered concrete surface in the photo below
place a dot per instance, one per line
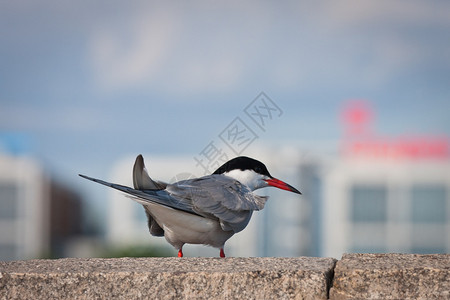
(392, 276)
(167, 278)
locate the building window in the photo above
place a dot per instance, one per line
(8, 201)
(429, 204)
(368, 203)
(429, 218)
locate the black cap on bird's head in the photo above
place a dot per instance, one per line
(244, 163)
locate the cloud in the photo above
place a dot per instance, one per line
(199, 48)
(133, 54)
(219, 48)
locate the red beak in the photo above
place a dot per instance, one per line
(281, 185)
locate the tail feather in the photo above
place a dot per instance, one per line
(141, 179)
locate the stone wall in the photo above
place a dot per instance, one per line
(392, 276)
(355, 276)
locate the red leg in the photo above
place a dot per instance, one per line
(180, 253)
(222, 253)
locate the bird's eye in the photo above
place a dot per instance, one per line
(258, 170)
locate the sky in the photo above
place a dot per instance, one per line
(89, 82)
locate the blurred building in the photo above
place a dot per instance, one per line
(372, 205)
(37, 214)
(66, 220)
(24, 209)
(381, 194)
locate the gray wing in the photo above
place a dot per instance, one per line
(213, 196)
(219, 196)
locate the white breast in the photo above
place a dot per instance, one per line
(181, 227)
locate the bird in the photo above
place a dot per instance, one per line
(206, 210)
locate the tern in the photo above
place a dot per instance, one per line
(206, 210)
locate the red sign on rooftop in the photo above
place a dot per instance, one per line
(360, 141)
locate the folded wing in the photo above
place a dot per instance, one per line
(221, 197)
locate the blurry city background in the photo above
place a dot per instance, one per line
(347, 101)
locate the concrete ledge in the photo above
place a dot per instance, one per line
(392, 276)
(356, 276)
(167, 278)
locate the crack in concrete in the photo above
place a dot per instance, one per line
(330, 279)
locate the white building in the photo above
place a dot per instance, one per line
(24, 206)
(382, 206)
(383, 194)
